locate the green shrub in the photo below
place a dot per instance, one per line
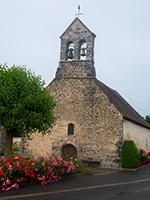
(130, 156)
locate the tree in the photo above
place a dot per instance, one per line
(25, 104)
(147, 118)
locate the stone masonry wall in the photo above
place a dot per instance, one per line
(75, 69)
(98, 124)
(37, 145)
(76, 33)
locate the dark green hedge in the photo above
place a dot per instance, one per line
(130, 156)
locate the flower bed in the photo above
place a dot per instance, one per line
(144, 157)
(17, 171)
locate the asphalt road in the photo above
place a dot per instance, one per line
(122, 185)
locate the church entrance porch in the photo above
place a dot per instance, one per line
(69, 151)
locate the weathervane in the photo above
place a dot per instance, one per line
(79, 13)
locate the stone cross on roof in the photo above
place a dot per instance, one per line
(79, 13)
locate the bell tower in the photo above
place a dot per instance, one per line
(89, 115)
(76, 52)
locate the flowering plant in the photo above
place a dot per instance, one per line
(144, 157)
(18, 170)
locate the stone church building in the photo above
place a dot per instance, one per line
(93, 120)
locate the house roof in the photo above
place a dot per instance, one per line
(123, 106)
(77, 20)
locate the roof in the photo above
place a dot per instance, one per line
(78, 20)
(123, 106)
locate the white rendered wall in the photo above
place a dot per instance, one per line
(137, 133)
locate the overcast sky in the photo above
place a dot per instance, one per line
(30, 30)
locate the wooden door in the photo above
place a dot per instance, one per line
(69, 151)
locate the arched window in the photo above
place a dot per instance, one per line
(70, 51)
(70, 129)
(83, 50)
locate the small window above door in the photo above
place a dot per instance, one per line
(70, 129)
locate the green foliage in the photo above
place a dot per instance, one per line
(24, 101)
(147, 118)
(130, 157)
(25, 104)
(15, 150)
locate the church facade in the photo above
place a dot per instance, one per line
(92, 120)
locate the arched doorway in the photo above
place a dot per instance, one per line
(69, 150)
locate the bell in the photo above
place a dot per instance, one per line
(70, 53)
(83, 52)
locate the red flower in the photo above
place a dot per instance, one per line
(2, 172)
(15, 171)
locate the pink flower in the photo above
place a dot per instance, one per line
(44, 170)
(8, 181)
(10, 167)
(41, 178)
(15, 186)
(19, 180)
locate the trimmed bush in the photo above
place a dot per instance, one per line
(130, 156)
